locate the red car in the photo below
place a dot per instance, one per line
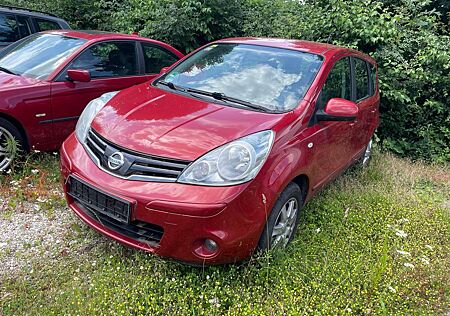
(47, 79)
(215, 158)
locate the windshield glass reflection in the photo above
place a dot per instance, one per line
(275, 78)
(39, 54)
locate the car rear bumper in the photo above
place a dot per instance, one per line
(185, 215)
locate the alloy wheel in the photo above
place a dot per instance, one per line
(6, 155)
(285, 224)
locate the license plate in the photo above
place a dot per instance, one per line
(96, 200)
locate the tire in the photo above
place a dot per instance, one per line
(9, 134)
(279, 220)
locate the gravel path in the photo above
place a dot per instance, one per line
(29, 235)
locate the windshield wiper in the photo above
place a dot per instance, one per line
(223, 97)
(216, 95)
(8, 71)
(170, 85)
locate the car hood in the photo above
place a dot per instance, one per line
(161, 123)
(8, 82)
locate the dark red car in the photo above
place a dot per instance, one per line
(216, 157)
(47, 79)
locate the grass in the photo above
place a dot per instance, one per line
(374, 242)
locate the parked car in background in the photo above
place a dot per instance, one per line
(46, 80)
(17, 23)
(218, 155)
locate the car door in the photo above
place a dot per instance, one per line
(329, 141)
(364, 98)
(113, 66)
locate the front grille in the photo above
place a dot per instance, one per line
(136, 166)
(92, 203)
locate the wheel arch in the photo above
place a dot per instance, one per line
(302, 181)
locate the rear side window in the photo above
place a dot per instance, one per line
(110, 59)
(9, 30)
(47, 25)
(361, 79)
(338, 83)
(24, 26)
(156, 58)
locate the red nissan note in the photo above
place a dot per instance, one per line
(215, 158)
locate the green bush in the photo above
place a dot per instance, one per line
(408, 38)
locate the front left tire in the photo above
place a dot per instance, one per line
(10, 144)
(283, 220)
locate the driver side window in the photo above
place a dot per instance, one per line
(110, 59)
(338, 83)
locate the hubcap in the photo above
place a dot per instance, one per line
(6, 156)
(367, 154)
(285, 224)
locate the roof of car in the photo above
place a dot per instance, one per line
(30, 12)
(301, 45)
(94, 35)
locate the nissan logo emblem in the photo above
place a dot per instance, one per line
(116, 161)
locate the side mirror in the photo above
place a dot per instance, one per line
(78, 75)
(338, 109)
(163, 70)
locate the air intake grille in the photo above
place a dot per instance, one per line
(127, 164)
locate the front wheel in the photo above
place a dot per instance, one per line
(10, 144)
(283, 220)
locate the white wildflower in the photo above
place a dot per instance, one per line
(408, 265)
(390, 288)
(404, 253)
(318, 230)
(401, 233)
(35, 171)
(425, 260)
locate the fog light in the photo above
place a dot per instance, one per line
(210, 245)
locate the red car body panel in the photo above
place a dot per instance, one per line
(21, 98)
(157, 122)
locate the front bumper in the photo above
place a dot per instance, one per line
(233, 217)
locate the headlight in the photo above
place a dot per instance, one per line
(89, 112)
(232, 163)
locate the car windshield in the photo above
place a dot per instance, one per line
(38, 55)
(275, 79)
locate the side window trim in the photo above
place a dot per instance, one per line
(61, 78)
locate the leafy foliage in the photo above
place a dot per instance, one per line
(408, 38)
